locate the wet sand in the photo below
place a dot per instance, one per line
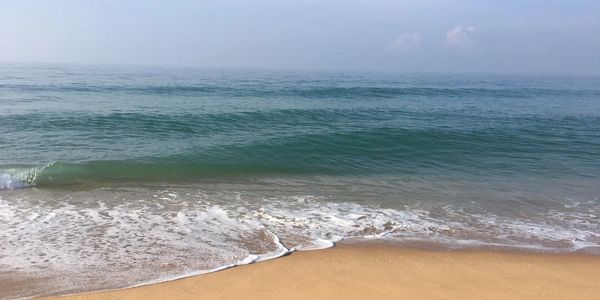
(377, 271)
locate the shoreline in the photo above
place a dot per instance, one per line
(381, 270)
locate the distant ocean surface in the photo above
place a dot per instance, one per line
(117, 176)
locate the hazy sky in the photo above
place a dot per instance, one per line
(536, 36)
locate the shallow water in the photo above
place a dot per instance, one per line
(111, 177)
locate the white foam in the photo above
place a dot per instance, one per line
(8, 182)
(16, 178)
(317, 245)
(170, 234)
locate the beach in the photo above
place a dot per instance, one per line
(299, 150)
(381, 271)
(116, 177)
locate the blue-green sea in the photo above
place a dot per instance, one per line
(115, 176)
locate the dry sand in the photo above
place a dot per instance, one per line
(387, 272)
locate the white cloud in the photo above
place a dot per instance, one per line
(460, 36)
(405, 42)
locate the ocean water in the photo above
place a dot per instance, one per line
(118, 176)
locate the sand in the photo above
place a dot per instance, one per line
(387, 272)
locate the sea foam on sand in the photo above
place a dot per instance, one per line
(377, 271)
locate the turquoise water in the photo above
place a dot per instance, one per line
(105, 124)
(200, 169)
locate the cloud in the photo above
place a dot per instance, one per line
(405, 42)
(460, 36)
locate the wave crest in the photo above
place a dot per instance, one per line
(18, 178)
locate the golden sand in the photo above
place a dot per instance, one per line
(386, 272)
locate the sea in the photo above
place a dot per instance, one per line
(116, 176)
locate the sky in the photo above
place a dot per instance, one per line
(509, 36)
